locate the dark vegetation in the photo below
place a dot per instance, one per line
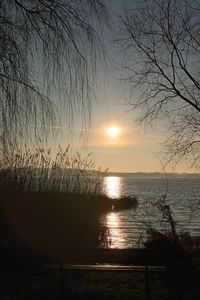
(51, 204)
(167, 236)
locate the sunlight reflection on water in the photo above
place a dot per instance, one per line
(126, 227)
(112, 187)
(118, 238)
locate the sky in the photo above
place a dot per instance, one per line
(134, 149)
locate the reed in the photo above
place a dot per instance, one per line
(55, 200)
(40, 170)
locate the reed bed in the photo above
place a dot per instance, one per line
(55, 201)
(41, 170)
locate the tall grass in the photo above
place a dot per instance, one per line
(40, 170)
(53, 201)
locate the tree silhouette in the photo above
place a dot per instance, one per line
(48, 55)
(162, 42)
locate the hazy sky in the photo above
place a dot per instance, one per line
(133, 149)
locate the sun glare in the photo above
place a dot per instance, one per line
(113, 131)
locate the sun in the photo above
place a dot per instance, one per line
(113, 131)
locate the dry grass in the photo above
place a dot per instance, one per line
(53, 202)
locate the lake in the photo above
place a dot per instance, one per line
(128, 227)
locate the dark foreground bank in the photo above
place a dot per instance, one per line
(180, 281)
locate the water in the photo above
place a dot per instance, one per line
(127, 227)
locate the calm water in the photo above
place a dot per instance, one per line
(127, 227)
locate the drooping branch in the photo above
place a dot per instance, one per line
(48, 56)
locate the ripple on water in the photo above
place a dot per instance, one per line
(125, 227)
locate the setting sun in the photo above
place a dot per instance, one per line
(113, 131)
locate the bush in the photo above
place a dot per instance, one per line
(166, 236)
(161, 240)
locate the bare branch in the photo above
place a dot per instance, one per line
(162, 38)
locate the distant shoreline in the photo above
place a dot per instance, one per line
(152, 175)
